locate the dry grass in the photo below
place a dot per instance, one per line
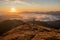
(31, 32)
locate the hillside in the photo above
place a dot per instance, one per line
(31, 30)
(8, 25)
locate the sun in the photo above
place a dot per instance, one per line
(13, 9)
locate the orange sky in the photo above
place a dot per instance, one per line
(29, 9)
(30, 5)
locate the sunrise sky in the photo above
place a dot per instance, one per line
(29, 5)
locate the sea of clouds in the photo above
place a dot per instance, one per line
(30, 17)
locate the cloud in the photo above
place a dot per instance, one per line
(21, 3)
(14, 0)
(11, 0)
(24, 2)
